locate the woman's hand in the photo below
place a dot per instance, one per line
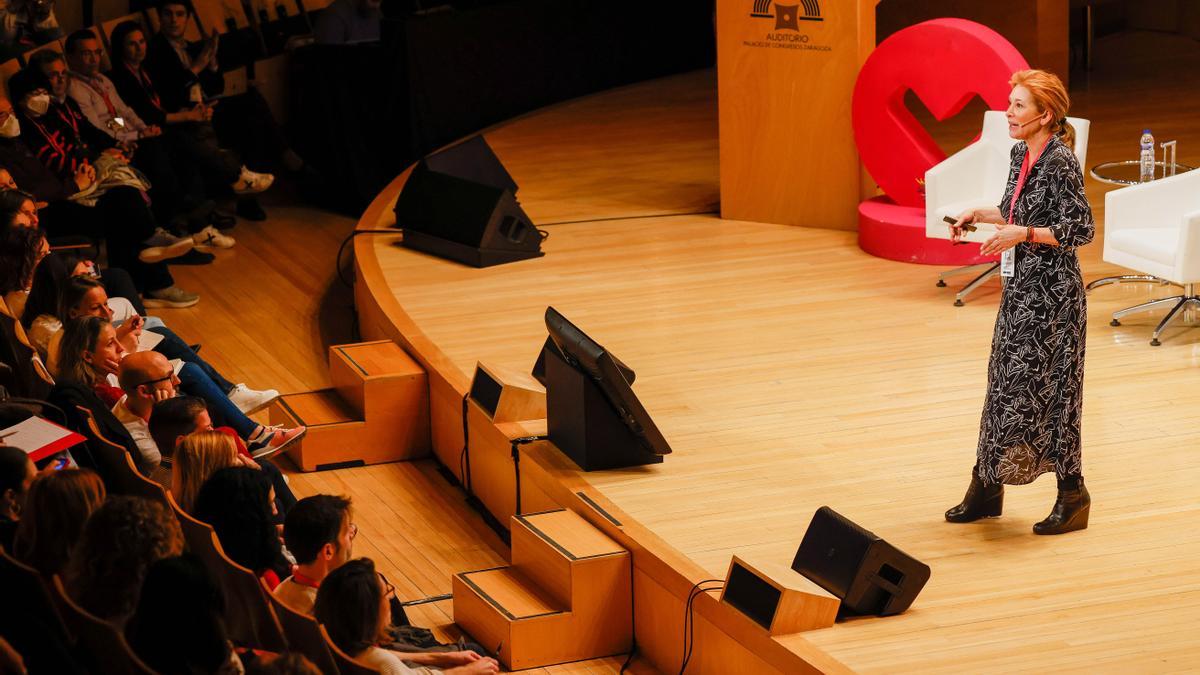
(451, 659)
(480, 667)
(1006, 237)
(967, 217)
(129, 332)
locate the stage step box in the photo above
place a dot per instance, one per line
(376, 411)
(566, 597)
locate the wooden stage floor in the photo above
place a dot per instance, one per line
(790, 370)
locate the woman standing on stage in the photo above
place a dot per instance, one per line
(1033, 408)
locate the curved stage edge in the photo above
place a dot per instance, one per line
(664, 577)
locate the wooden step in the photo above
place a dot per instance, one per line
(506, 613)
(549, 548)
(566, 597)
(377, 410)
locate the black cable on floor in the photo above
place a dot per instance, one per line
(337, 262)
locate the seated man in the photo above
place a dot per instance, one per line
(173, 419)
(100, 102)
(145, 377)
(319, 532)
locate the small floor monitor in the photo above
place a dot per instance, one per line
(868, 574)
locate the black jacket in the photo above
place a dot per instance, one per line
(68, 395)
(172, 79)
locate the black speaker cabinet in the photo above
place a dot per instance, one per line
(460, 203)
(583, 424)
(869, 575)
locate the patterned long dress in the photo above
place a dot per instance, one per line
(1033, 409)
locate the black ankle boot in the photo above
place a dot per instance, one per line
(1070, 510)
(982, 501)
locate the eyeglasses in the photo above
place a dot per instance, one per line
(168, 378)
(388, 589)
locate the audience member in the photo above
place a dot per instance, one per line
(197, 457)
(16, 474)
(90, 355)
(56, 508)
(319, 532)
(119, 216)
(120, 541)
(175, 419)
(188, 129)
(51, 277)
(239, 503)
(348, 21)
(352, 604)
(20, 251)
(177, 628)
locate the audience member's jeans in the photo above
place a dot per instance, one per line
(173, 347)
(196, 382)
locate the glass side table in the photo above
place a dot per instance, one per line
(1123, 173)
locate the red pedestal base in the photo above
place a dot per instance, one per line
(888, 230)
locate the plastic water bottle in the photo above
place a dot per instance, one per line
(1147, 158)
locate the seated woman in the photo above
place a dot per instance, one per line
(239, 503)
(352, 604)
(83, 296)
(40, 317)
(189, 129)
(90, 353)
(56, 507)
(21, 250)
(199, 456)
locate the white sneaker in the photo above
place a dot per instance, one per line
(211, 237)
(163, 245)
(249, 182)
(250, 400)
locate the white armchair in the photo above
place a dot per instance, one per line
(1154, 228)
(974, 177)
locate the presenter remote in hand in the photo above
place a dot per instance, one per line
(1034, 402)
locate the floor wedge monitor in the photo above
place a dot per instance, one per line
(868, 574)
(461, 204)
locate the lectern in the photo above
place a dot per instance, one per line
(786, 73)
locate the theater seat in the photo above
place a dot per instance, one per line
(1154, 228)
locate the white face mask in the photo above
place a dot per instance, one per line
(11, 127)
(38, 105)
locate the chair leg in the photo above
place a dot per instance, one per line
(1144, 307)
(967, 269)
(1128, 278)
(1183, 302)
(992, 270)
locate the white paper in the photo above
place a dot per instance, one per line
(148, 340)
(33, 434)
(176, 365)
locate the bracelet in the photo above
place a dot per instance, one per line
(1029, 235)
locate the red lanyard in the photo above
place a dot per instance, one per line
(112, 110)
(148, 87)
(1026, 166)
(303, 580)
(52, 139)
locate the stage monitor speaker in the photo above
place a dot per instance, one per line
(460, 203)
(776, 598)
(868, 574)
(507, 396)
